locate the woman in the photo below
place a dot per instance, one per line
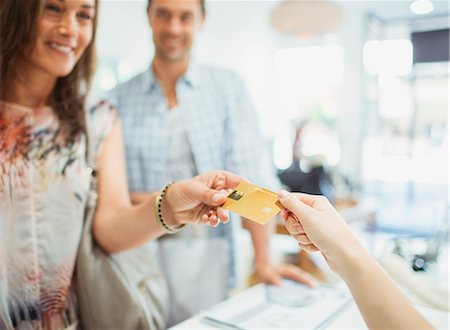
(316, 225)
(47, 62)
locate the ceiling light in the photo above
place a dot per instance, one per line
(421, 7)
(311, 17)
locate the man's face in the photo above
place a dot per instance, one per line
(174, 24)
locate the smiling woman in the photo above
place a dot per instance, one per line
(50, 42)
(64, 33)
(47, 61)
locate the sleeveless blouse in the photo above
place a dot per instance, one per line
(43, 190)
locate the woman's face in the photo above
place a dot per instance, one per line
(65, 30)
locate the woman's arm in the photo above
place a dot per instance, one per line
(380, 301)
(119, 225)
(318, 227)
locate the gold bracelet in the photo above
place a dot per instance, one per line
(158, 213)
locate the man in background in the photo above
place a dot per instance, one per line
(181, 118)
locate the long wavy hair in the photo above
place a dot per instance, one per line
(18, 29)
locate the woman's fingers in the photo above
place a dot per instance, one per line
(204, 219)
(284, 214)
(297, 232)
(214, 217)
(309, 247)
(292, 203)
(213, 220)
(224, 215)
(315, 201)
(293, 225)
(302, 239)
(221, 179)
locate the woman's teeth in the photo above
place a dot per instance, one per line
(60, 48)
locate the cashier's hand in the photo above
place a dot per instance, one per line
(198, 200)
(271, 274)
(317, 226)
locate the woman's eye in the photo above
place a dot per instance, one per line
(53, 8)
(85, 16)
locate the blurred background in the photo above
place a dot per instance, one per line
(352, 96)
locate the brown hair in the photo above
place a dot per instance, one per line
(18, 26)
(202, 5)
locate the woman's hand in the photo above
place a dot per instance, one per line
(317, 226)
(199, 199)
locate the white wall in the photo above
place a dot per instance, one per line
(123, 32)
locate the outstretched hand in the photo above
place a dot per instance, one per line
(317, 226)
(198, 200)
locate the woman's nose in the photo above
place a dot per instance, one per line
(68, 24)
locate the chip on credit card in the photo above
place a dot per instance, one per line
(252, 202)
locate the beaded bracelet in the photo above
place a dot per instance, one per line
(159, 219)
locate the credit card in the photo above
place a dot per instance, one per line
(252, 202)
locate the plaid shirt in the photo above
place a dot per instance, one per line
(219, 119)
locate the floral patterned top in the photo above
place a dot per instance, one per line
(43, 189)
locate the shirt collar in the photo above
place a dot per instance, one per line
(190, 77)
(150, 78)
(192, 74)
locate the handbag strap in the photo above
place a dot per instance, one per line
(91, 166)
(90, 152)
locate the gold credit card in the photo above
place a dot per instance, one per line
(253, 202)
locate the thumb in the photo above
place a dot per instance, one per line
(209, 196)
(295, 205)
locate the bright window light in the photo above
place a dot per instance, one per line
(395, 99)
(108, 81)
(305, 74)
(125, 70)
(426, 164)
(318, 143)
(307, 81)
(282, 151)
(392, 57)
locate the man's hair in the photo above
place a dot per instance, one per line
(202, 5)
(18, 30)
